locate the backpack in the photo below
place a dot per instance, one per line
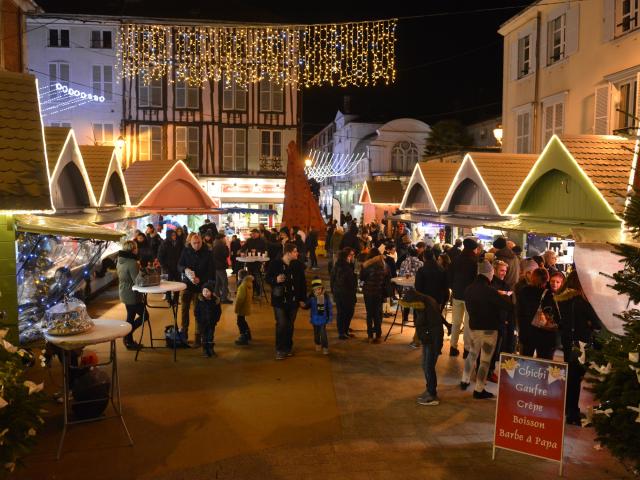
(172, 337)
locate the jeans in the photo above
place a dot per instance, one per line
(313, 258)
(345, 309)
(541, 350)
(429, 358)
(132, 311)
(243, 326)
(207, 330)
(373, 305)
(483, 342)
(222, 284)
(320, 335)
(188, 298)
(575, 374)
(459, 317)
(285, 318)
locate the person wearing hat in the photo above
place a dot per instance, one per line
(483, 304)
(320, 309)
(208, 314)
(462, 272)
(505, 254)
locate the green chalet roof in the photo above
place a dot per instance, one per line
(24, 180)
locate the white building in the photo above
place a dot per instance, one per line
(74, 60)
(569, 68)
(390, 150)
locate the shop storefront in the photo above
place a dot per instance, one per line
(380, 199)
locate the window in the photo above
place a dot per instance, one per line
(553, 120)
(522, 132)
(626, 15)
(103, 133)
(271, 96)
(60, 124)
(187, 143)
(58, 38)
(404, 156)
(102, 82)
(627, 107)
(101, 39)
(234, 97)
(150, 142)
(186, 95)
(149, 95)
(234, 157)
(271, 144)
(524, 56)
(556, 31)
(58, 73)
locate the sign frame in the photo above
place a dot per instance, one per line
(564, 400)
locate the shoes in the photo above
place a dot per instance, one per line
(248, 334)
(428, 400)
(482, 395)
(242, 340)
(318, 348)
(351, 330)
(414, 345)
(226, 301)
(464, 385)
(343, 337)
(132, 345)
(281, 355)
(377, 340)
(465, 354)
(325, 351)
(369, 339)
(454, 352)
(493, 378)
(351, 335)
(387, 315)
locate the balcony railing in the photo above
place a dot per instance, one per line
(270, 165)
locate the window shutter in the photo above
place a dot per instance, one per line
(277, 98)
(180, 95)
(558, 127)
(544, 48)
(143, 141)
(609, 20)
(265, 96)
(276, 150)
(97, 133)
(533, 47)
(227, 149)
(107, 136)
(265, 148)
(240, 163)
(513, 59)
(548, 123)
(97, 80)
(143, 92)
(156, 93)
(95, 39)
(241, 98)
(108, 83)
(181, 143)
(64, 38)
(193, 146)
(572, 30)
(156, 143)
(601, 120)
(106, 39)
(636, 121)
(192, 97)
(53, 38)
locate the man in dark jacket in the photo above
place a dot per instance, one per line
(461, 273)
(168, 255)
(428, 323)
(505, 254)
(375, 276)
(220, 262)
(208, 225)
(312, 244)
(196, 267)
(454, 251)
(154, 240)
(431, 279)
(350, 239)
(484, 305)
(344, 286)
(288, 292)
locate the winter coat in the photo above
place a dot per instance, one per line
(201, 262)
(145, 253)
(410, 266)
(154, 244)
(293, 289)
(391, 265)
(462, 273)
(205, 227)
(527, 304)
(220, 255)
(127, 267)
(511, 259)
(168, 256)
(507, 317)
(320, 317)
(375, 276)
(343, 280)
(336, 240)
(208, 312)
(484, 304)
(235, 247)
(257, 244)
(431, 279)
(578, 320)
(350, 239)
(312, 240)
(428, 318)
(244, 296)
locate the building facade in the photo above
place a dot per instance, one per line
(569, 68)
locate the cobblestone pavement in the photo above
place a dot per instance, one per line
(350, 415)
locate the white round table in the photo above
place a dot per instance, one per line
(252, 259)
(164, 287)
(259, 279)
(104, 330)
(404, 281)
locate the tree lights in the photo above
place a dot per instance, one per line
(344, 54)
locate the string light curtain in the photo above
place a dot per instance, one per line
(345, 54)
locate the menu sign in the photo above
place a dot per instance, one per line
(530, 406)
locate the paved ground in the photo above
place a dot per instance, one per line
(351, 415)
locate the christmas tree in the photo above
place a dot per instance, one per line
(615, 363)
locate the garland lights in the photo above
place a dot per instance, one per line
(325, 165)
(345, 54)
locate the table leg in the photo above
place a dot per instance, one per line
(174, 310)
(65, 398)
(115, 384)
(145, 319)
(394, 321)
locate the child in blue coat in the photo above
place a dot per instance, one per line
(208, 312)
(320, 307)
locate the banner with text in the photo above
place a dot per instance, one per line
(530, 406)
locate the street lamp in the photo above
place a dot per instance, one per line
(120, 142)
(308, 162)
(497, 132)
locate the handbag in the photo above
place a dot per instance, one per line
(543, 318)
(148, 277)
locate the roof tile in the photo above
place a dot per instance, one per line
(388, 192)
(142, 176)
(97, 159)
(439, 176)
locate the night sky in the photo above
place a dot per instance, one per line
(449, 58)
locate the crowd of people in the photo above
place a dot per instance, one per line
(499, 301)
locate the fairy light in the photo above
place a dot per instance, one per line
(348, 54)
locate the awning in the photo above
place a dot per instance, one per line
(63, 226)
(583, 232)
(458, 221)
(179, 211)
(259, 211)
(104, 216)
